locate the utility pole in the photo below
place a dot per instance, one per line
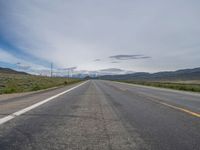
(72, 73)
(51, 69)
(68, 75)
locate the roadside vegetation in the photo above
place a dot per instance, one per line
(15, 83)
(177, 85)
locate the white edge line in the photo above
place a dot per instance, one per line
(22, 111)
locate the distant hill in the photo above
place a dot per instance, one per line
(11, 71)
(185, 74)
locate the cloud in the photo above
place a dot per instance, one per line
(7, 57)
(70, 68)
(74, 33)
(97, 60)
(107, 71)
(20, 64)
(23, 66)
(129, 57)
(114, 62)
(113, 71)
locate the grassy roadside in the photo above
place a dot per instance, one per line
(14, 83)
(193, 87)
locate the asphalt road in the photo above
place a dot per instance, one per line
(103, 115)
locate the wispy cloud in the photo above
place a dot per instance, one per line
(8, 57)
(114, 62)
(68, 69)
(129, 57)
(112, 71)
(97, 60)
(20, 64)
(23, 66)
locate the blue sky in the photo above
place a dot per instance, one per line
(132, 35)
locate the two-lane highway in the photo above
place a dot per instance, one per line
(102, 115)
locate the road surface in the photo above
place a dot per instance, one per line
(101, 115)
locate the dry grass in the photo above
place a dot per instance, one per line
(177, 85)
(14, 83)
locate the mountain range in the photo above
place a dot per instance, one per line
(11, 71)
(184, 74)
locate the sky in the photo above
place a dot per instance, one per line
(115, 36)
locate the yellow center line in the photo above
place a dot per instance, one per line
(181, 109)
(160, 101)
